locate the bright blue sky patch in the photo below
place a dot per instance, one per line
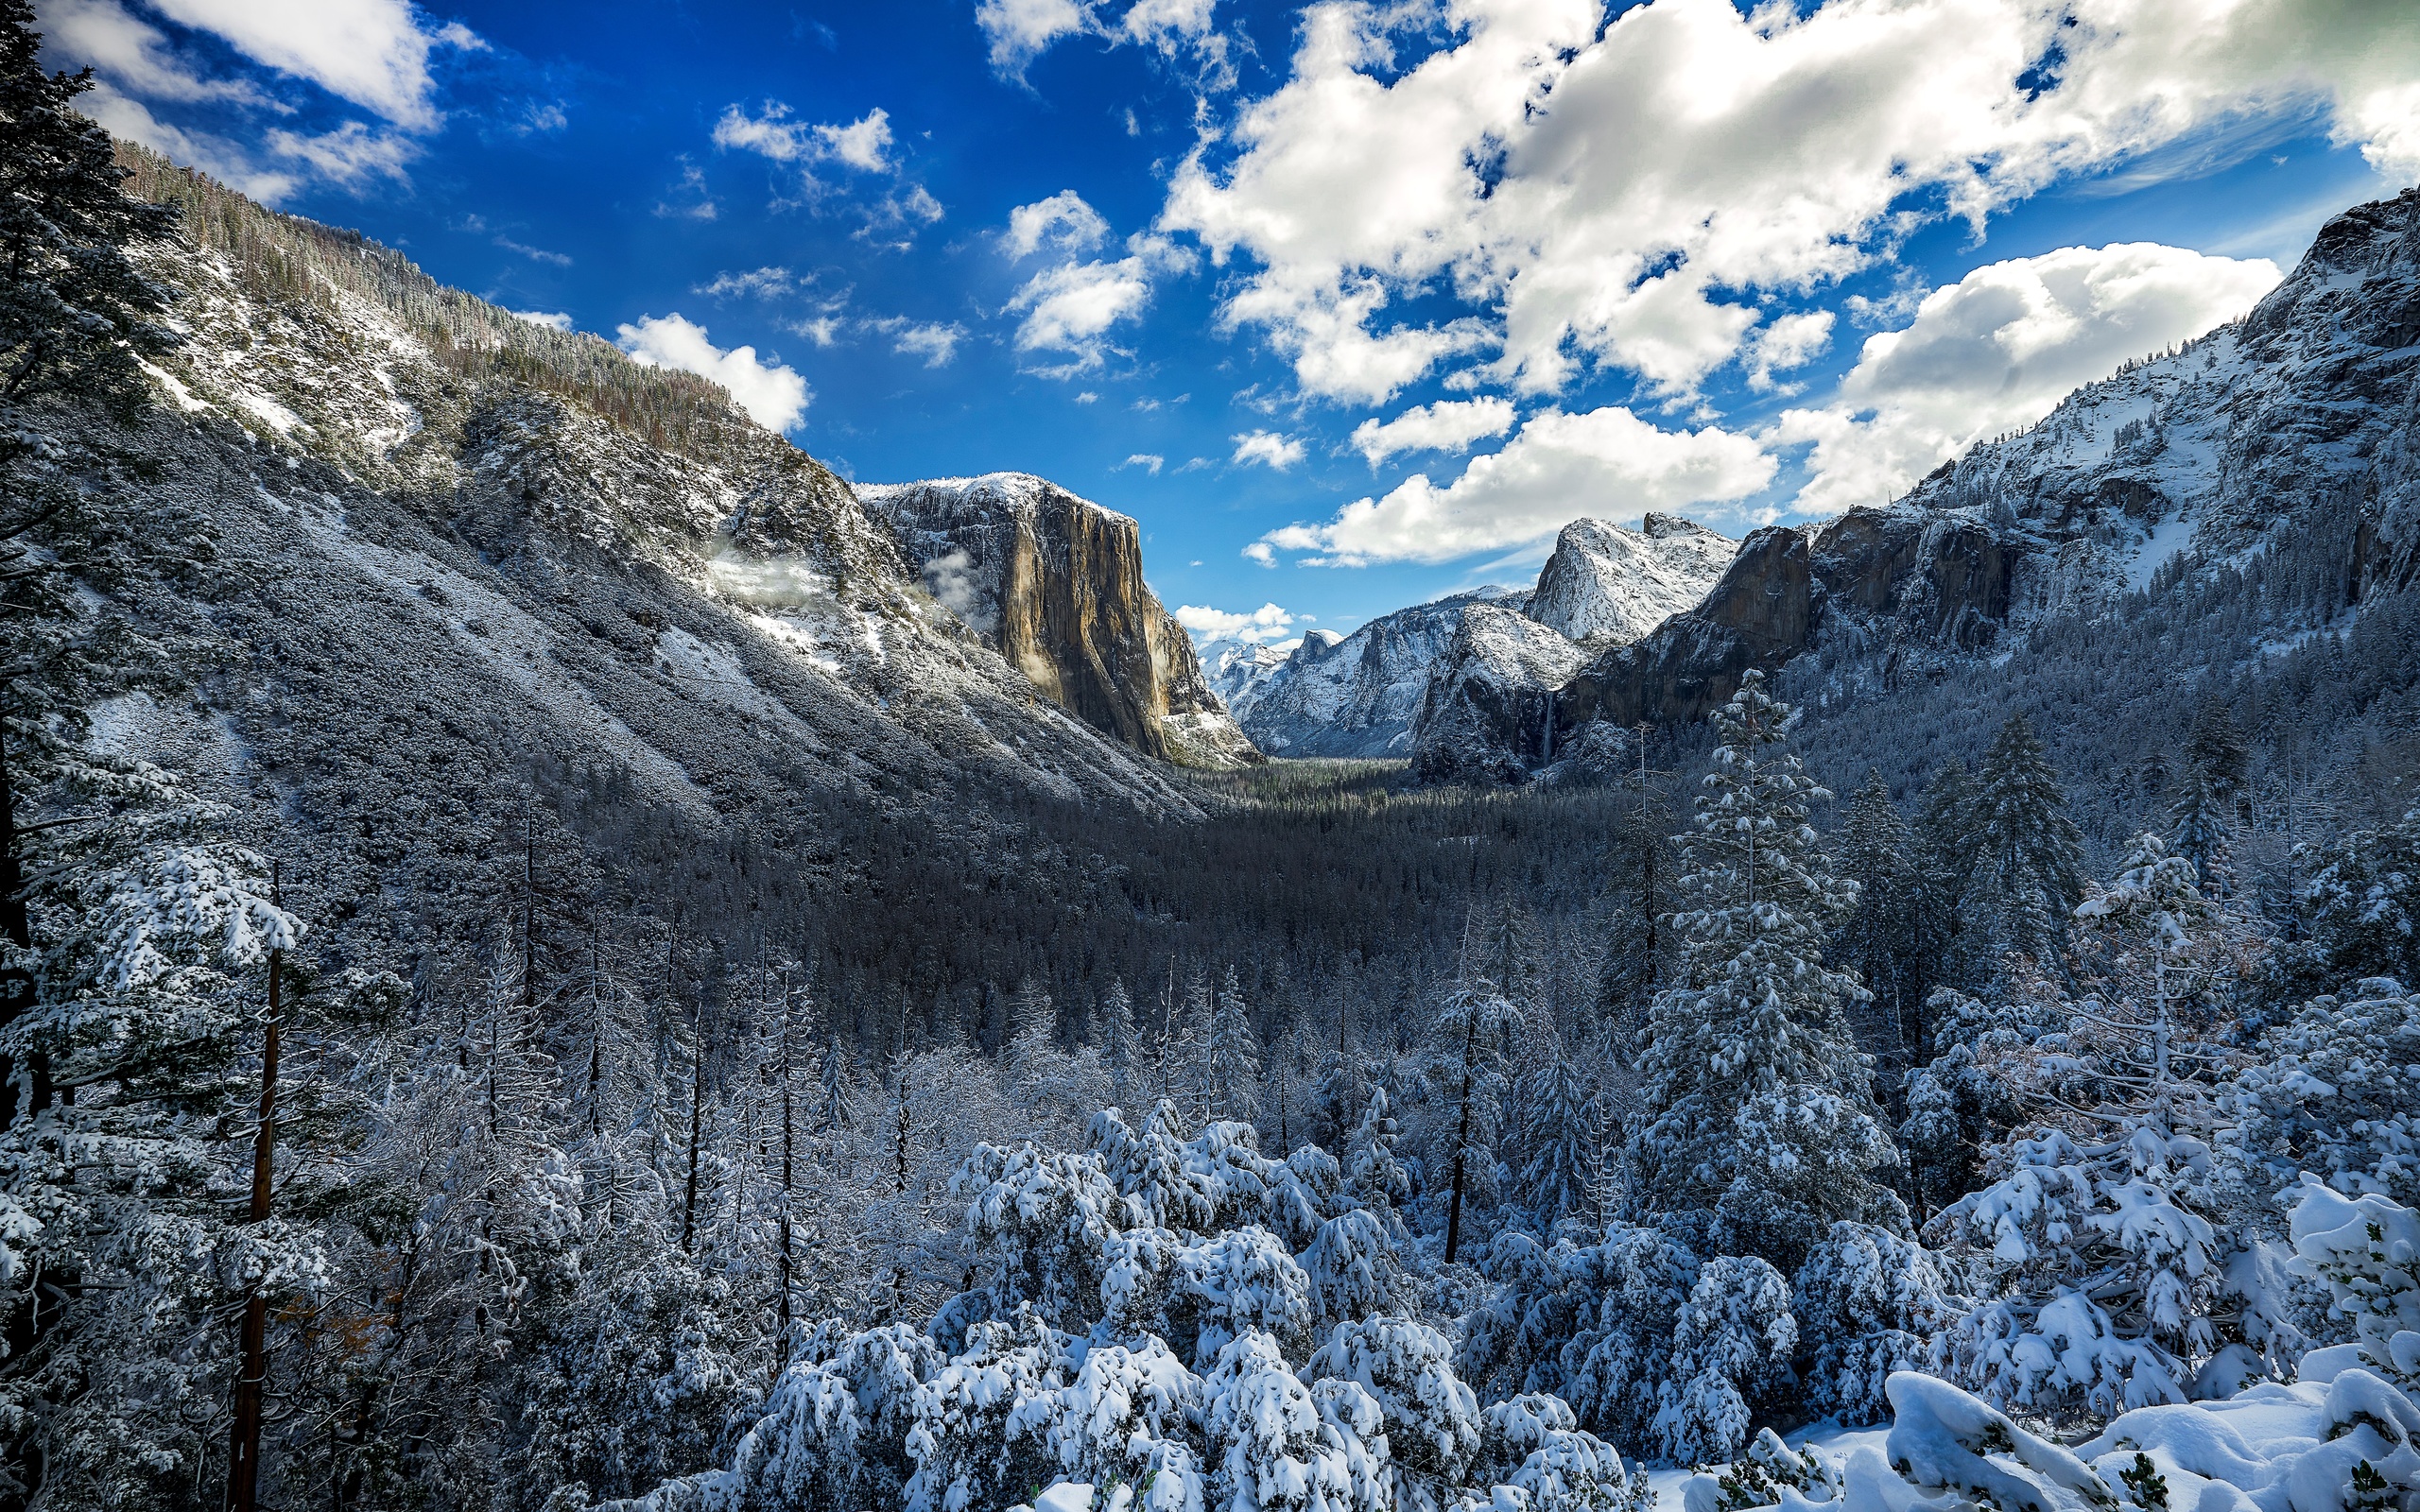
(1351, 305)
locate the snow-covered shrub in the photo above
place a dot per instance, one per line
(1595, 1324)
(1241, 1281)
(2103, 1277)
(832, 1436)
(1037, 1229)
(1353, 1268)
(1870, 1303)
(1306, 1191)
(1124, 1422)
(1147, 1164)
(1276, 1447)
(2367, 1251)
(1534, 1448)
(1431, 1418)
(1760, 1476)
(1732, 1344)
(981, 1438)
(2337, 1091)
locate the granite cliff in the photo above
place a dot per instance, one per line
(1054, 583)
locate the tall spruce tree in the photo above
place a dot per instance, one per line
(1230, 1056)
(1757, 1111)
(2029, 856)
(1880, 939)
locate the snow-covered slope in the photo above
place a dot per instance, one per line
(1608, 586)
(1054, 583)
(462, 559)
(2290, 436)
(1361, 695)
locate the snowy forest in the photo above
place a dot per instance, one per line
(2016, 1134)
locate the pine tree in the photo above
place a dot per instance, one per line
(2029, 856)
(2199, 833)
(1117, 1047)
(1878, 941)
(1470, 1042)
(1565, 1116)
(1230, 1057)
(1756, 1102)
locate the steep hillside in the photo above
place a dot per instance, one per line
(2288, 438)
(465, 560)
(1054, 583)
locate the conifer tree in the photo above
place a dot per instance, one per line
(1756, 1102)
(1469, 1045)
(1879, 941)
(1117, 1049)
(2029, 857)
(2199, 832)
(1230, 1056)
(1561, 1177)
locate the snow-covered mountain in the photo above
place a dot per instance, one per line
(1370, 694)
(462, 558)
(1054, 583)
(2290, 440)
(1608, 586)
(1359, 695)
(1239, 672)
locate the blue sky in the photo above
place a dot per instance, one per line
(1351, 305)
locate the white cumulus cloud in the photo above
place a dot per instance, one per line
(1261, 627)
(1070, 307)
(1606, 463)
(1064, 220)
(551, 319)
(1268, 449)
(374, 52)
(773, 393)
(1448, 425)
(1019, 31)
(775, 133)
(1998, 350)
(1619, 194)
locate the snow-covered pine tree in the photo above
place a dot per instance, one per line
(2029, 856)
(1231, 1054)
(1118, 1054)
(1566, 1117)
(1373, 1177)
(2200, 832)
(1756, 1104)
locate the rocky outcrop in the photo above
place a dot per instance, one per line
(1937, 582)
(1608, 586)
(1054, 583)
(1359, 696)
(1493, 694)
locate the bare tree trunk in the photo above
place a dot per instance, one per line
(696, 1124)
(244, 1437)
(1462, 1147)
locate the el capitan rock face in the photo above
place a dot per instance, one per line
(1054, 583)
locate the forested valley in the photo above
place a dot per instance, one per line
(2038, 1092)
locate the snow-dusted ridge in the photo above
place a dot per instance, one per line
(2290, 434)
